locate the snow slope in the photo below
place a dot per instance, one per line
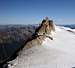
(57, 53)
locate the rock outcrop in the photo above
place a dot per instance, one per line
(46, 27)
(43, 31)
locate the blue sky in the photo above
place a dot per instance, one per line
(33, 11)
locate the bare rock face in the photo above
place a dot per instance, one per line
(46, 27)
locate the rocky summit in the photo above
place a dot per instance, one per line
(43, 31)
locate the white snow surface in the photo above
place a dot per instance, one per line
(67, 28)
(56, 53)
(73, 30)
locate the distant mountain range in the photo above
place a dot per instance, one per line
(72, 26)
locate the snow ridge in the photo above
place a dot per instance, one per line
(57, 53)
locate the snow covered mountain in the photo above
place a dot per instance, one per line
(57, 53)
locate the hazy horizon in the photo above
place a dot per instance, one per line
(33, 11)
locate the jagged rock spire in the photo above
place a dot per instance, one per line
(46, 27)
